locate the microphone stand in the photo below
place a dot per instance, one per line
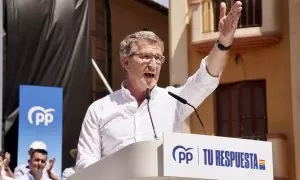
(148, 99)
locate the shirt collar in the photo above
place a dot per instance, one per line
(127, 95)
(125, 92)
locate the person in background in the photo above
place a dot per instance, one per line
(71, 170)
(6, 173)
(23, 169)
(37, 165)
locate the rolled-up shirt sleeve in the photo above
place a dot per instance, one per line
(89, 144)
(196, 89)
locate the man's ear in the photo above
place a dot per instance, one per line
(125, 62)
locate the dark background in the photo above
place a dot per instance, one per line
(47, 43)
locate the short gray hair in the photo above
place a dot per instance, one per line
(131, 41)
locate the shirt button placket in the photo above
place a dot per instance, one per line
(134, 127)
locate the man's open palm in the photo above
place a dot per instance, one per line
(228, 23)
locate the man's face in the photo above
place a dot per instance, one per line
(37, 162)
(143, 65)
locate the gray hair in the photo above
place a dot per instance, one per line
(131, 40)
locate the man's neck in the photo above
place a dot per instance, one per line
(138, 95)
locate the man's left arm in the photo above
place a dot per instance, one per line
(206, 79)
(49, 170)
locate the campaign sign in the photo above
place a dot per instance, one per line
(213, 157)
(40, 119)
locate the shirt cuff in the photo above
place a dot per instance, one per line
(206, 67)
(205, 75)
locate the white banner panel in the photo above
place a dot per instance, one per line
(213, 157)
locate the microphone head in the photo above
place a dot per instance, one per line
(148, 94)
(180, 99)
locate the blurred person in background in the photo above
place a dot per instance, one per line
(23, 169)
(37, 167)
(6, 173)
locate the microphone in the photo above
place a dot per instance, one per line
(148, 99)
(180, 99)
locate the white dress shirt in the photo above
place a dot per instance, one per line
(23, 169)
(28, 176)
(116, 120)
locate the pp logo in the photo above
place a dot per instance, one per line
(39, 115)
(182, 154)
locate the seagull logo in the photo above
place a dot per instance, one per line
(39, 115)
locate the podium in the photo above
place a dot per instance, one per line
(185, 156)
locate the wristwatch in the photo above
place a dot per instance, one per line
(222, 47)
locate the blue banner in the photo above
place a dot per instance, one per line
(40, 119)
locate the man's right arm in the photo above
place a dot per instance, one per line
(89, 144)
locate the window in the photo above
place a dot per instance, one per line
(251, 16)
(241, 110)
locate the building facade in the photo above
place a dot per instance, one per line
(258, 96)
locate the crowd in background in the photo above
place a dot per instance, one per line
(38, 166)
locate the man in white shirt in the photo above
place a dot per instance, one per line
(122, 118)
(23, 169)
(37, 165)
